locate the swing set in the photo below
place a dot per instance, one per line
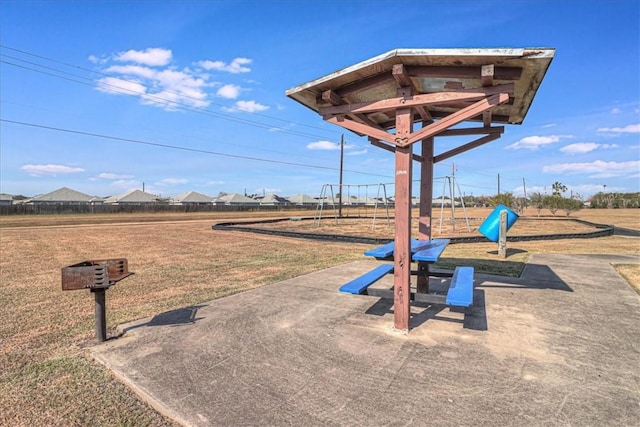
(353, 199)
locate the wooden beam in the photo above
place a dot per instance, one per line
(455, 118)
(414, 101)
(362, 118)
(466, 147)
(425, 210)
(330, 97)
(424, 114)
(486, 75)
(392, 149)
(362, 128)
(486, 118)
(360, 85)
(402, 251)
(472, 131)
(402, 78)
(500, 73)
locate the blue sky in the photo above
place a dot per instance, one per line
(104, 96)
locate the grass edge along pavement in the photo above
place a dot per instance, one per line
(46, 377)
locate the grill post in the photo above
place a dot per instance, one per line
(100, 296)
(97, 276)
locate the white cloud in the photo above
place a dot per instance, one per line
(229, 91)
(616, 111)
(151, 56)
(323, 145)
(107, 175)
(550, 125)
(584, 147)
(288, 126)
(120, 86)
(132, 71)
(246, 106)
(267, 190)
(172, 88)
(627, 129)
(535, 142)
(147, 74)
(215, 182)
(331, 146)
(598, 168)
(42, 170)
(172, 181)
(235, 67)
(97, 60)
(126, 185)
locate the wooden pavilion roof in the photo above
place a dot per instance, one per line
(471, 73)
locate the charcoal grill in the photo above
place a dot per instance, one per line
(97, 276)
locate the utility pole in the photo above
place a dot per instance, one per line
(340, 182)
(524, 189)
(453, 191)
(498, 184)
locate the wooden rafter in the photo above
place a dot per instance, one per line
(401, 76)
(500, 73)
(455, 118)
(330, 97)
(472, 131)
(466, 147)
(364, 84)
(433, 129)
(425, 115)
(392, 149)
(413, 101)
(486, 75)
(362, 128)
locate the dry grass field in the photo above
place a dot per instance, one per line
(46, 377)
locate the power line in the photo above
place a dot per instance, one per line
(177, 147)
(160, 100)
(221, 115)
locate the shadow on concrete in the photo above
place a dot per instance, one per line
(522, 275)
(181, 316)
(475, 317)
(533, 276)
(503, 268)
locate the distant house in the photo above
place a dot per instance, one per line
(133, 197)
(6, 199)
(303, 200)
(235, 199)
(272, 200)
(192, 198)
(61, 196)
(439, 202)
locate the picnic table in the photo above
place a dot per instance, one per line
(459, 294)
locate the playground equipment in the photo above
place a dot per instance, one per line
(328, 196)
(451, 183)
(496, 225)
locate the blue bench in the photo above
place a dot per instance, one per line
(358, 285)
(430, 250)
(460, 292)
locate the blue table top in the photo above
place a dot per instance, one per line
(421, 250)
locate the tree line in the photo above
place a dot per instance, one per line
(557, 202)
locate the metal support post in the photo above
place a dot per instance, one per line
(101, 314)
